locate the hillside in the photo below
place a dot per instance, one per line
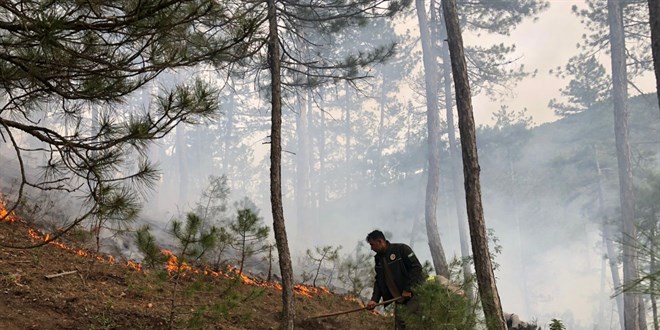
(104, 293)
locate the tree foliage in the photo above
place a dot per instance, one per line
(249, 235)
(320, 255)
(61, 60)
(589, 85)
(147, 245)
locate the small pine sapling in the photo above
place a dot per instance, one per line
(193, 242)
(328, 254)
(249, 233)
(212, 208)
(146, 244)
(356, 272)
(556, 324)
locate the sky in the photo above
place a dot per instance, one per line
(543, 45)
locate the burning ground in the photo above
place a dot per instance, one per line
(63, 286)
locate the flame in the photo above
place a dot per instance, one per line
(4, 215)
(173, 264)
(134, 265)
(34, 234)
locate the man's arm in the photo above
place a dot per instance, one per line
(413, 266)
(375, 296)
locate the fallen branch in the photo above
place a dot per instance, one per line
(48, 277)
(352, 310)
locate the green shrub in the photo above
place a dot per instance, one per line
(439, 307)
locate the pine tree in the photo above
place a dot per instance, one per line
(588, 87)
(58, 59)
(249, 234)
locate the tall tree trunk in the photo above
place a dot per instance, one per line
(654, 20)
(182, 170)
(433, 129)
(631, 302)
(279, 229)
(321, 137)
(608, 239)
(311, 162)
(302, 171)
(455, 160)
(490, 299)
(348, 134)
(516, 217)
(654, 269)
(378, 161)
(228, 131)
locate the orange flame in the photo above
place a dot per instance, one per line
(173, 264)
(4, 215)
(45, 237)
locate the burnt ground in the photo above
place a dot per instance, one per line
(111, 295)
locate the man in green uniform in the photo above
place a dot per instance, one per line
(398, 271)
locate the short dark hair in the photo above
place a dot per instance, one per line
(374, 235)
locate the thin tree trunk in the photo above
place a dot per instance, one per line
(302, 172)
(603, 296)
(654, 269)
(608, 239)
(621, 132)
(433, 130)
(348, 132)
(279, 229)
(182, 164)
(490, 299)
(378, 161)
(321, 132)
(228, 132)
(311, 176)
(516, 216)
(455, 161)
(654, 20)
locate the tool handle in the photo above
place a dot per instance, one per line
(353, 310)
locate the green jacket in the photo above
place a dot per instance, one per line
(405, 268)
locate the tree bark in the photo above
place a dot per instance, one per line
(490, 298)
(455, 161)
(279, 229)
(654, 20)
(433, 130)
(608, 239)
(621, 134)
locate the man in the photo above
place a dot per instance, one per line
(398, 271)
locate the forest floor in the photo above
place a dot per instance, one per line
(100, 293)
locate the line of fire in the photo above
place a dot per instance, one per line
(173, 264)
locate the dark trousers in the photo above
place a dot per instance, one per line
(410, 305)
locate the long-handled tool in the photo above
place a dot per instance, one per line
(352, 310)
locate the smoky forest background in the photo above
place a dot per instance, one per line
(129, 118)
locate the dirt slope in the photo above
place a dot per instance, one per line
(111, 295)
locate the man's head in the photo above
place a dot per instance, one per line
(377, 241)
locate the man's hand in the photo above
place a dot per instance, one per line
(405, 295)
(371, 305)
